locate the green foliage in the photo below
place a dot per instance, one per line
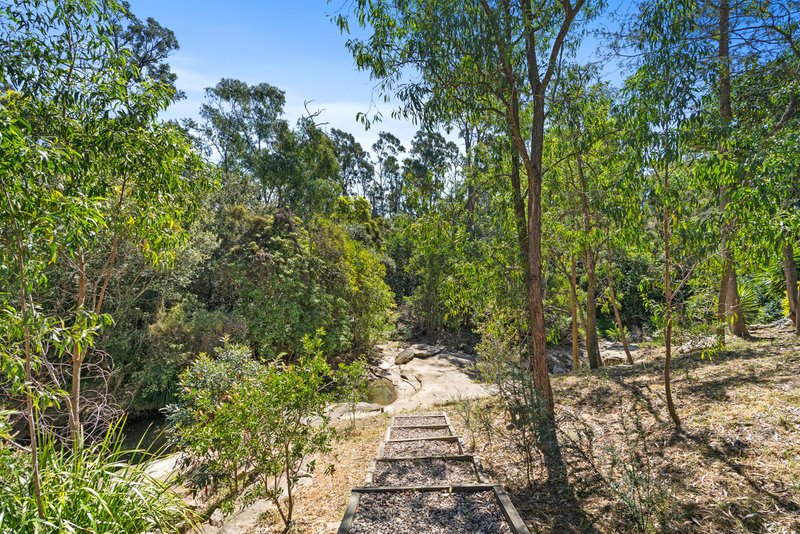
(93, 489)
(352, 382)
(93, 171)
(237, 416)
(644, 501)
(286, 279)
(431, 265)
(244, 126)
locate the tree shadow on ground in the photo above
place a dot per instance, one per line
(550, 501)
(703, 444)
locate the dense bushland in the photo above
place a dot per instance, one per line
(664, 209)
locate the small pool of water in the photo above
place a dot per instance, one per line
(149, 435)
(381, 392)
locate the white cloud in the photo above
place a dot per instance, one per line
(193, 81)
(342, 115)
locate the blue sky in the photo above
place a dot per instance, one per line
(290, 44)
(293, 45)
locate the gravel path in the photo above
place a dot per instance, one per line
(422, 420)
(432, 472)
(437, 447)
(431, 512)
(411, 432)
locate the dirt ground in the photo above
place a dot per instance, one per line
(734, 467)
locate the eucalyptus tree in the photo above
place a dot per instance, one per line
(492, 56)
(294, 168)
(387, 150)
(355, 167)
(583, 154)
(659, 100)
(431, 162)
(85, 164)
(243, 124)
(736, 38)
(149, 44)
(765, 101)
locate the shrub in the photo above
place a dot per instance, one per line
(352, 383)
(208, 425)
(236, 415)
(644, 501)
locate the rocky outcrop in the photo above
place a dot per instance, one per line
(417, 351)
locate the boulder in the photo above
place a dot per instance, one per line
(217, 518)
(559, 359)
(362, 409)
(426, 351)
(404, 357)
(417, 351)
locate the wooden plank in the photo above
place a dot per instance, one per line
(432, 438)
(510, 511)
(349, 513)
(425, 427)
(406, 415)
(442, 487)
(464, 457)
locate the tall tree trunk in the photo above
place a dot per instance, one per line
(576, 355)
(520, 218)
(790, 275)
(537, 361)
(673, 413)
(592, 344)
(722, 309)
(618, 318)
(728, 284)
(537, 84)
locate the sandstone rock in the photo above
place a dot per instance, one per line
(426, 351)
(404, 357)
(362, 409)
(216, 518)
(417, 351)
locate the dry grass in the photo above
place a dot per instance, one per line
(734, 468)
(320, 505)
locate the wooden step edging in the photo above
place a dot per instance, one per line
(510, 513)
(400, 418)
(512, 517)
(388, 436)
(477, 470)
(456, 439)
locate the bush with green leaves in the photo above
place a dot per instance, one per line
(208, 425)
(237, 416)
(91, 489)
(286, 279)
(352, 383)
(644, 501)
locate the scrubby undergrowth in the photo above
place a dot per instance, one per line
(734, 468)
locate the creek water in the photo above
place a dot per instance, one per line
(381, 392)
(147, 434)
